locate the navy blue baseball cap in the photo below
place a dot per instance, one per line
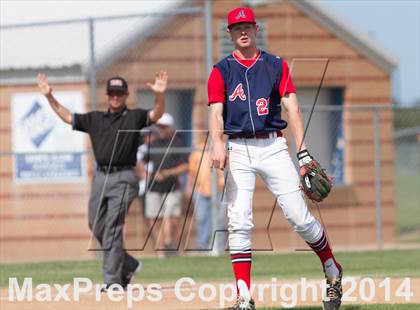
(116, 83)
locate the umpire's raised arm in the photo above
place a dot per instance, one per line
(159, 88)
(46, 90)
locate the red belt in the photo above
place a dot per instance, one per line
(258, 135)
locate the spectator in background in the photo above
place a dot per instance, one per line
(144, 171)
(199, 171)
(164, 197)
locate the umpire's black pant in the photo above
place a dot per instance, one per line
(108, 205)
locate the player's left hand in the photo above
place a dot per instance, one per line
(161, 81)
(314, 180)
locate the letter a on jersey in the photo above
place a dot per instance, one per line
(238, 92)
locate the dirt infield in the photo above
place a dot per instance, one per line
(270, 293)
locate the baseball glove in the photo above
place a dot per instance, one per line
(315, 182)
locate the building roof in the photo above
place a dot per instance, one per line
(343, 29)
(348, 32)
(62, 48)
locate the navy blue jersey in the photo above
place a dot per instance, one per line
(252, 98)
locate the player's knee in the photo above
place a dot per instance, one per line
(239, 220)
(239, 224)
(308, 230)
(301, 224)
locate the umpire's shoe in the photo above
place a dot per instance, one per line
(334, 292)
(116, 287)
(243, 304)
(127, 279)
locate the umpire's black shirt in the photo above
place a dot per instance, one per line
(103, 128)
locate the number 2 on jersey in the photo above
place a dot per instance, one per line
(262, 106)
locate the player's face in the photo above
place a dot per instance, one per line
(116, 100)
(243, 35)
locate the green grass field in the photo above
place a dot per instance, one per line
(282, 266)
(396, 263)
(407, 184)
(407, 177)
(407, 118)
(407, 198)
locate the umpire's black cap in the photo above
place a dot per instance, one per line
(116, 83)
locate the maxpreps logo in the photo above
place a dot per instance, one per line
(36, 124)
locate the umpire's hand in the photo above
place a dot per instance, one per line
(43, 85)
(161, 82)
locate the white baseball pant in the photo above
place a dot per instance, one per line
(271, 160)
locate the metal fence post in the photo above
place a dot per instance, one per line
(209, 35)
(209, 65)
(92, 64)
(377, 149)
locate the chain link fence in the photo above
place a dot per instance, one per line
(407, 173)
(385, 150)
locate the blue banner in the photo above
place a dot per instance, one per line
(48, 167)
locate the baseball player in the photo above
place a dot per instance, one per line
(114, 184)
(246, 91)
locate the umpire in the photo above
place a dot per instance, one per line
(115, 137)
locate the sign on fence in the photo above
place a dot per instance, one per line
(45, 148)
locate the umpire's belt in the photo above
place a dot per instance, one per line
(112, 169)
(258, 135)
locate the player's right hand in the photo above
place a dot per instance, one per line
(43, 85)
(219, 155)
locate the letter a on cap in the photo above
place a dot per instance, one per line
(241, 14)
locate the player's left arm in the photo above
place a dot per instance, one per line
(159, 88)
(290, 102)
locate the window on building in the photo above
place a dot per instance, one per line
(178, 103)
(325, 135)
